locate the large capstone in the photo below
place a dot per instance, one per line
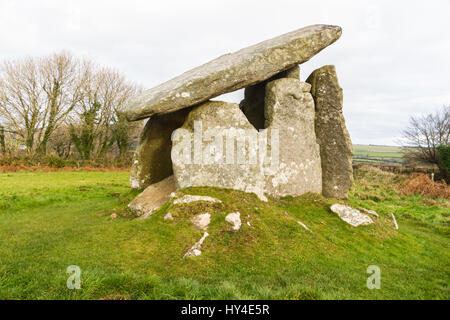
(253, 103)
(289, 109)
(234, 71)
(152, 162)
(218, 147)
(336, 150)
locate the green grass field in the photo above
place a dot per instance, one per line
(51, 220)
(371, 154)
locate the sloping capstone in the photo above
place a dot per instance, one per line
(234, 71)
(211, 149)
(289, 108)
(152, 162)
(253, 103)
(336, 150)
(152, 198)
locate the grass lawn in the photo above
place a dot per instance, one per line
(51, 220)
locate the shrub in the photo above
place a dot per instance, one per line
(444, 161)
(47, 162)
(421, 184)
(55, 162)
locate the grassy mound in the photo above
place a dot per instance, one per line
(50, 221)
(384, 192)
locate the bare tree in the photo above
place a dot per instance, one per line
(21, 99)
(37, 95)
(9, 142)
(424, 134)
(2, 139)
(61, 142)
(70, 97)
(62, 82)
(101, 123)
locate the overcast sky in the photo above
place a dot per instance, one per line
(393, 59)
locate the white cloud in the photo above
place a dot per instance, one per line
(392, 59)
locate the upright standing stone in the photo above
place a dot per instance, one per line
(212, 149)
(290, 109)
(152, 162)
(336, 150)
(233, 71)
(253, 103)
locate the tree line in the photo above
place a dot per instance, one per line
(64, 106)
(72, 108)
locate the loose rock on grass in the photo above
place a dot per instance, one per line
(189, 198)
(304, 226)
(201, 221)
(371, 212)
(195, 249)
(168, 216)
(235, 219)
(350, 215)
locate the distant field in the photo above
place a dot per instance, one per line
(377, 154)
